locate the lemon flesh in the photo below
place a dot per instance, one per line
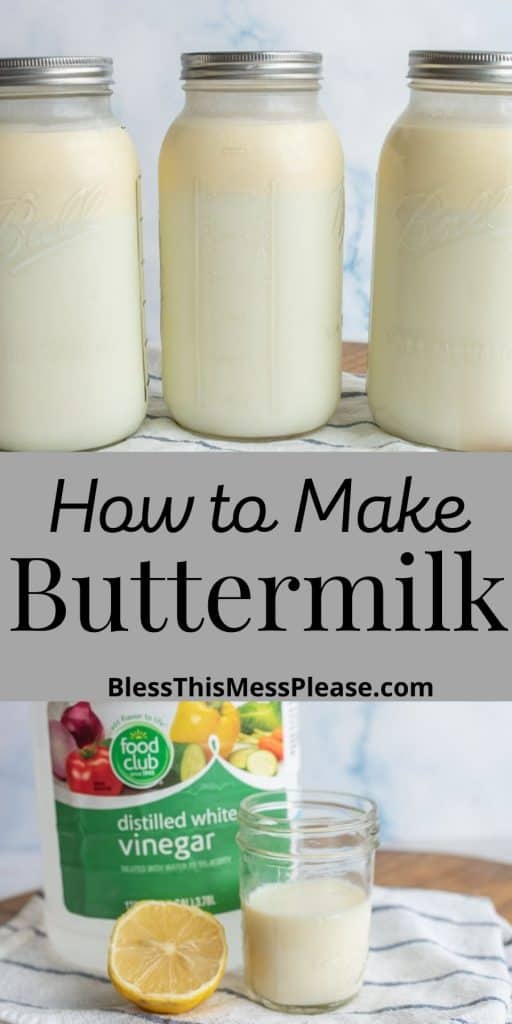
(166, 957)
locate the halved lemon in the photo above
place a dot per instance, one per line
(166, 957)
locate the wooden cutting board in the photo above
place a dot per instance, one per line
(355, 356)
(446, 871)
(421, 870)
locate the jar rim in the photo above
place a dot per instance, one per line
(216, 65)
(88, 74)
(338, 813)
(460, 67)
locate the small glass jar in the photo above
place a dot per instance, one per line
(72, 360)
(306, 877)
(440, 358)
(251, 226)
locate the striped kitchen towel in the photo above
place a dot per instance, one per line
(434, 957)
(350, 428)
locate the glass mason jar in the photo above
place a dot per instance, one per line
(72, 357)
(251, 225)
(306, 878)
(440, 360)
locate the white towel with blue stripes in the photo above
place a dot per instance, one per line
(350, 428)
(434, 957)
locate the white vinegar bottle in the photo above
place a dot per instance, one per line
(140, 801)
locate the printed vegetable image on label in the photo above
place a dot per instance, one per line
(147, 802)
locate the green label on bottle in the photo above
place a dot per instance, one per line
(147, 799)
(180, 847)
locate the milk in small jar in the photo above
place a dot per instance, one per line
(440, 361)
(72, 355)
(306, 875)
(251, 224)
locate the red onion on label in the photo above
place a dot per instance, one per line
(83, 724)
(61, 744)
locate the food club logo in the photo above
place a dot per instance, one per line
(140, 755)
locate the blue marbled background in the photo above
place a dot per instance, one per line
(441, 772)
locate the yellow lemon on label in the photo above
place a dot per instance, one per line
(166, 957)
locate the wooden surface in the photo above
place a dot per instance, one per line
(355, 356)
(421, 870)
(445, 871)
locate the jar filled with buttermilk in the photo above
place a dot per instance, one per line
(440, 362)
(72, 360)
(306, 877)
(251, 226)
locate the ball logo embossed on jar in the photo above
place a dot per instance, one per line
(26, 235)
(430, 221)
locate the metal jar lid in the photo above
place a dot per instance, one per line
(93, 74)
(485, 67)
(252, 64)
